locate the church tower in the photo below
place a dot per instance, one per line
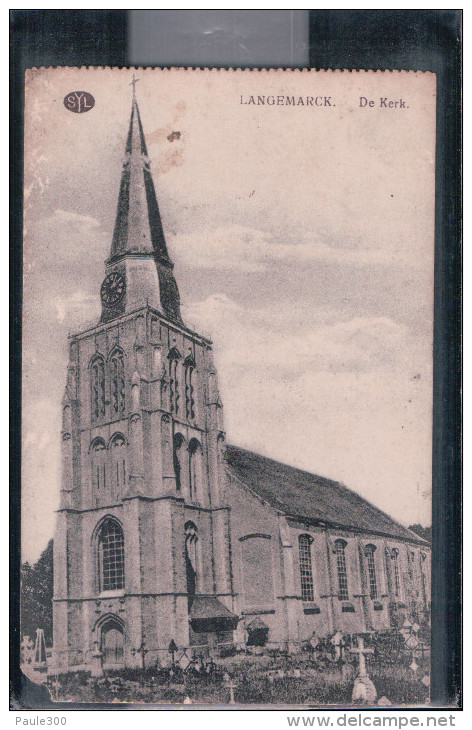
(142, 545)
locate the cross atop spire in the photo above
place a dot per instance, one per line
(133, 84)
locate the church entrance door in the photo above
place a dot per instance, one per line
(112, 644)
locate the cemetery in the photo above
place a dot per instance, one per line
(388, 668)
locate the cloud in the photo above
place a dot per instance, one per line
(234, 246)
(71, 218)
(76, 308)
(65, 242)
(251, 339)
(253, 250)
(333, 397)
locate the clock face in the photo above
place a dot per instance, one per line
(113, 288)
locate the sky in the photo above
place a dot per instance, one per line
(302, 239)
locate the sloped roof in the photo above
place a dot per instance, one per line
(209, 607)
(314, 498)
(207, 613)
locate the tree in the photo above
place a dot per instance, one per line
(36, 593)
(424, 532)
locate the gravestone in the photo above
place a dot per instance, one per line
(39, 659)
(27, 650)
(231, 685)
(364, 689)
(338, 643)
(184, 662)
(54, 686)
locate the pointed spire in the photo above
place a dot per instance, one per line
(138, 226)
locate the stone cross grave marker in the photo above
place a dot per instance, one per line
(142, 651)
(362, 651)
(364, 689)
(337, 642)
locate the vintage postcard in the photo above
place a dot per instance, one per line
(227, 386)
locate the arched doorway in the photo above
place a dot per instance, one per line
(112, 644)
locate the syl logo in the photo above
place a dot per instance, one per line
(79, 101)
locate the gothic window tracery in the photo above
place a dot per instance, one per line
(99, 471)
(178, 449)
(118, 464)
(117, 383)
(189, 389)
(306, 570)
(369, 552)
(174, 396)
(343, 589)
(191, 557)
(195, 469)
(411, 560)
(111, 556)
(97, 384)
(396, 572)
(66, 420)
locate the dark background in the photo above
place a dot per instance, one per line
(428, 40)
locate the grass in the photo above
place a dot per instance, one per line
(257, 681)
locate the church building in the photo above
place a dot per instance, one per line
(167, 534)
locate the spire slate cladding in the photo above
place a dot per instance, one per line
(138, 226)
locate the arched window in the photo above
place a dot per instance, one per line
(155, 333)
(411, 565)
(339, 549)
(174, 357)
(195, 469)
(111, 556)
(306, 571)
(118, 465)
(369, 552)
(191, 557)
(99, 471)
(178, 452)
(67, 420)
(189, 388)
(396, 572)
(117, 383)
(97, 388)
